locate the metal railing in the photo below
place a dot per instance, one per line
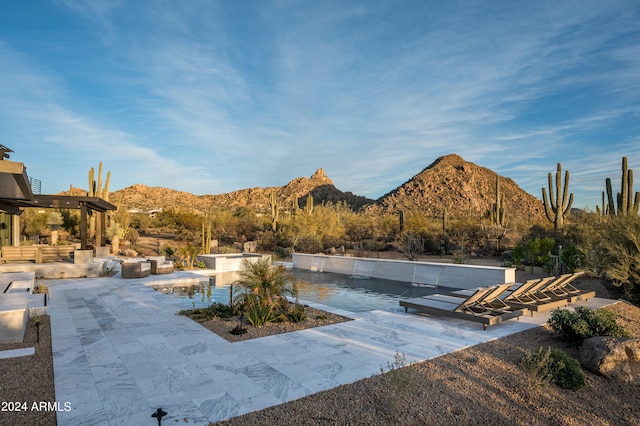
(36, 185)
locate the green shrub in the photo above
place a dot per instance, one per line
(259, 314)
(237, 330)
(554, 366)
(296, 313)
(167, 251)
(583, 323)
(216, 309)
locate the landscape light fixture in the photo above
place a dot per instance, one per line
(159, 414)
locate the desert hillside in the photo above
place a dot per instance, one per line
(463, 188)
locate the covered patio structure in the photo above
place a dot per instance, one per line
(16, 194)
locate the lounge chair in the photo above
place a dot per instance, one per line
(562, 287)
(470, 308)
(491, 300)
(533, 298)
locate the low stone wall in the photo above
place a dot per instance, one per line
(57, 270)
(227, 262)
(440, 274)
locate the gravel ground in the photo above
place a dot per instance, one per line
(483, 384)
(315, 318)
(27, 380)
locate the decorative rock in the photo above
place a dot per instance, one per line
(250, 247)
(330, 250)
(612, 357)
(130, 253)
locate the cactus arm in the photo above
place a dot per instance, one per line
(548, 209)
(630, 200)
(566, 189)
(612, 206)
(551, 197)
(624, 195)
(105, 195)
(568, 209)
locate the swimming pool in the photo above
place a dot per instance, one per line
(355, 294)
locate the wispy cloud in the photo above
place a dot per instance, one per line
(216, 96)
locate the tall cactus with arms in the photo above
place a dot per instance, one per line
(558, 206)
(626, 202)
(497, 208)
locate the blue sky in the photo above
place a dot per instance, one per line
(214, 96)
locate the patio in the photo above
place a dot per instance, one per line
(120, 352)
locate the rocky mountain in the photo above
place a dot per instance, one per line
(463, 188)
(321, 188)
(450, 182)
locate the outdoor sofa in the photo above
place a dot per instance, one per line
(135, 268)
(160, 265)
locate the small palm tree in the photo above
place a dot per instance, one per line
(262, 284)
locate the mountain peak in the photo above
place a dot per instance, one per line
(462, 188)
(319, 175)
(450, 159)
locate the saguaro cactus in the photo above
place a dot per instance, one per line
(97, 190)
(624, 205)
(497, 208)
(95, 187)
(309, 206)
(558, 206)
(401, 219)
(275, 210)
(207, 224)
(296, 205)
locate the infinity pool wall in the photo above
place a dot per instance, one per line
(441, 274)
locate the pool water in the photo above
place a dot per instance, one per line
(355, 294)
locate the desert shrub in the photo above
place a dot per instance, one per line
(296, 313)
(216, 309)
(220, 310)
(282, 252)
(554, 366)
(167, 251)
(237, 330)
(583, 323)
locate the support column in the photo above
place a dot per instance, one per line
(15, 230)
(103, 226)
(83, 226)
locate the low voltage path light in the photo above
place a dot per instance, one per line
(37, 325)
(241, 319)
(159, 414)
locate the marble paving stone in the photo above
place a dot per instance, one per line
(110, 371)
(120, 351)
(14, 353)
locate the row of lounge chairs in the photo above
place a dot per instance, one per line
(492, 305)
